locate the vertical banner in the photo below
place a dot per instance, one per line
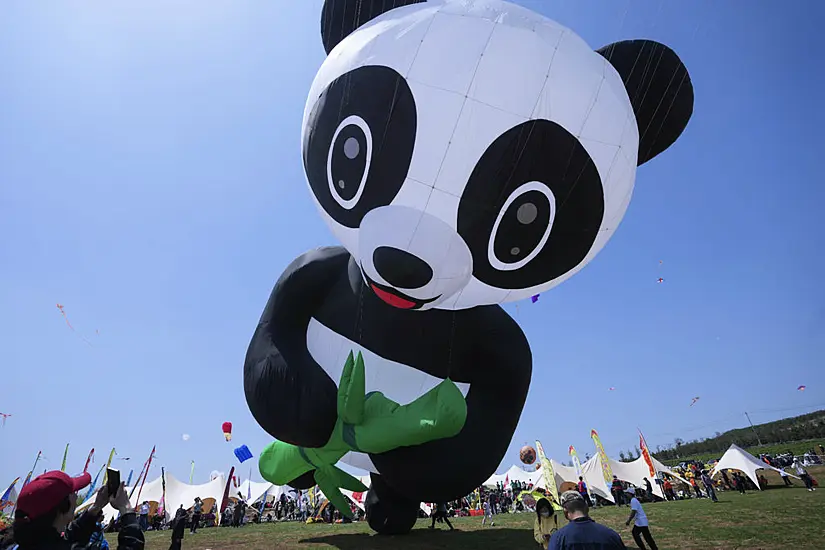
(225, 499)
(93, 485)
(263, 504)
(162, 504)
(65, 455)
(192, 472)
(577, 465)
(646, 455)
(6, 498)
(129, 480)
(89, 458)
(606, 471)
(549, 476)
(145, 473)
(108, 464)
(29, 477)
(249, 486)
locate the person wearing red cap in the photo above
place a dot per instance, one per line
(45, 508)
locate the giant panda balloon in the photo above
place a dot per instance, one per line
(466, 153)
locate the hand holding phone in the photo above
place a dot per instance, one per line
(112, 481)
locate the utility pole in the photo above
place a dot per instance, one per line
(754, 429)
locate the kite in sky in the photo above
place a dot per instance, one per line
(68, 324)
(801, 388)
(660, 280)
(612, 388)
(693, 402)
(4, 416)
(535, 298)
(185, 437)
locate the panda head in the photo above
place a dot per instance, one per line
(474, 152)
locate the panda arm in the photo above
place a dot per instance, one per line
(496, 353)
(288, 393)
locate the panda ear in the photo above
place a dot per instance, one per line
(659, 88)
(339, 18)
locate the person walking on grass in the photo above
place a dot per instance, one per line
(708, 483)
(618, 491)
(641, 528)
(582, 532)
(785, 477)
(441, 513)
(546, 523)
(488, 513)
(804, 475)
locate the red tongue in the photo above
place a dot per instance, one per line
(392, 299)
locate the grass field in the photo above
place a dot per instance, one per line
(773, 519)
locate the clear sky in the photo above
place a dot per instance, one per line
(151, 182)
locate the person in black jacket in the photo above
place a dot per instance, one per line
(46, 506)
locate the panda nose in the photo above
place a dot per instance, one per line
(400, 268)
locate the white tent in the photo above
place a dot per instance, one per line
(635, 472)
(737, 459)
(513, 474)
(177, 493)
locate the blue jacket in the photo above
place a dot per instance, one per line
(585, 534)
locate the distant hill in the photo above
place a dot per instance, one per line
(772, 434)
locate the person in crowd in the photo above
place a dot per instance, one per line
(668, 487)
(725, 479)
(178, 529)
(803, 474)
(648, 489)
(197, 509)
(546, 522)
(695, 487)
(98, 539)
(582, 532)
(641, 527)
(581, 487)
(618, 491)
(488, 513)
(739, 482)
(708, 483)
(440, 513)
(46, 506)
(143, 519)
(240, 510)
(785, 477)
(763, 482)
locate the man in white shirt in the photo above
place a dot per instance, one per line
(641, 527)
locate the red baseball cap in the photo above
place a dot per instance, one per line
(45, 492)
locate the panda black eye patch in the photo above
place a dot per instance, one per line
(359, 142)
(532, 207)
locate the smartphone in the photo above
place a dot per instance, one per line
(112, 481)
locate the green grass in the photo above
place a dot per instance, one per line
(772, 519)
(798, 448)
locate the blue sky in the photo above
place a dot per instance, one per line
(151, 182)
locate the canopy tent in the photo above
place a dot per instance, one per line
(513, 474)
(737, 459)
(635, 472)
(252, 491)
(177, 494)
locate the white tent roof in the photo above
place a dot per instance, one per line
(737, 459)
(513, 474)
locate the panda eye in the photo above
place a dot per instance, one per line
(348, 161)
(522, 227)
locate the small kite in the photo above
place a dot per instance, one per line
(693, 402)
(227, 430)
(801, 388)
(611, 388)
(243, 453)
(68, 324)
(185, 437)
(660, 280)
(535, 298)
(660, 262)
(4, 416)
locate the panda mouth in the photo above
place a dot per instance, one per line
(395, 298)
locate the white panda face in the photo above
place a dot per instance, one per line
(468, 153)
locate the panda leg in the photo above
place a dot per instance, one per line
(388, 512)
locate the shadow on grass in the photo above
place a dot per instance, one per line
(429, 539)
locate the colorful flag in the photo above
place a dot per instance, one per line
(146, 473)
(129, 479)
(249, 486)
(29, 477)
(646, 454)
(263, 503)
(89, 458)
(5, 499)
(162, 504)
(577, 465)
(108, 464)
(549, 476)
(225, 499)
(606, 471)
(92, 486)
(65, 454)
(192, 473)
